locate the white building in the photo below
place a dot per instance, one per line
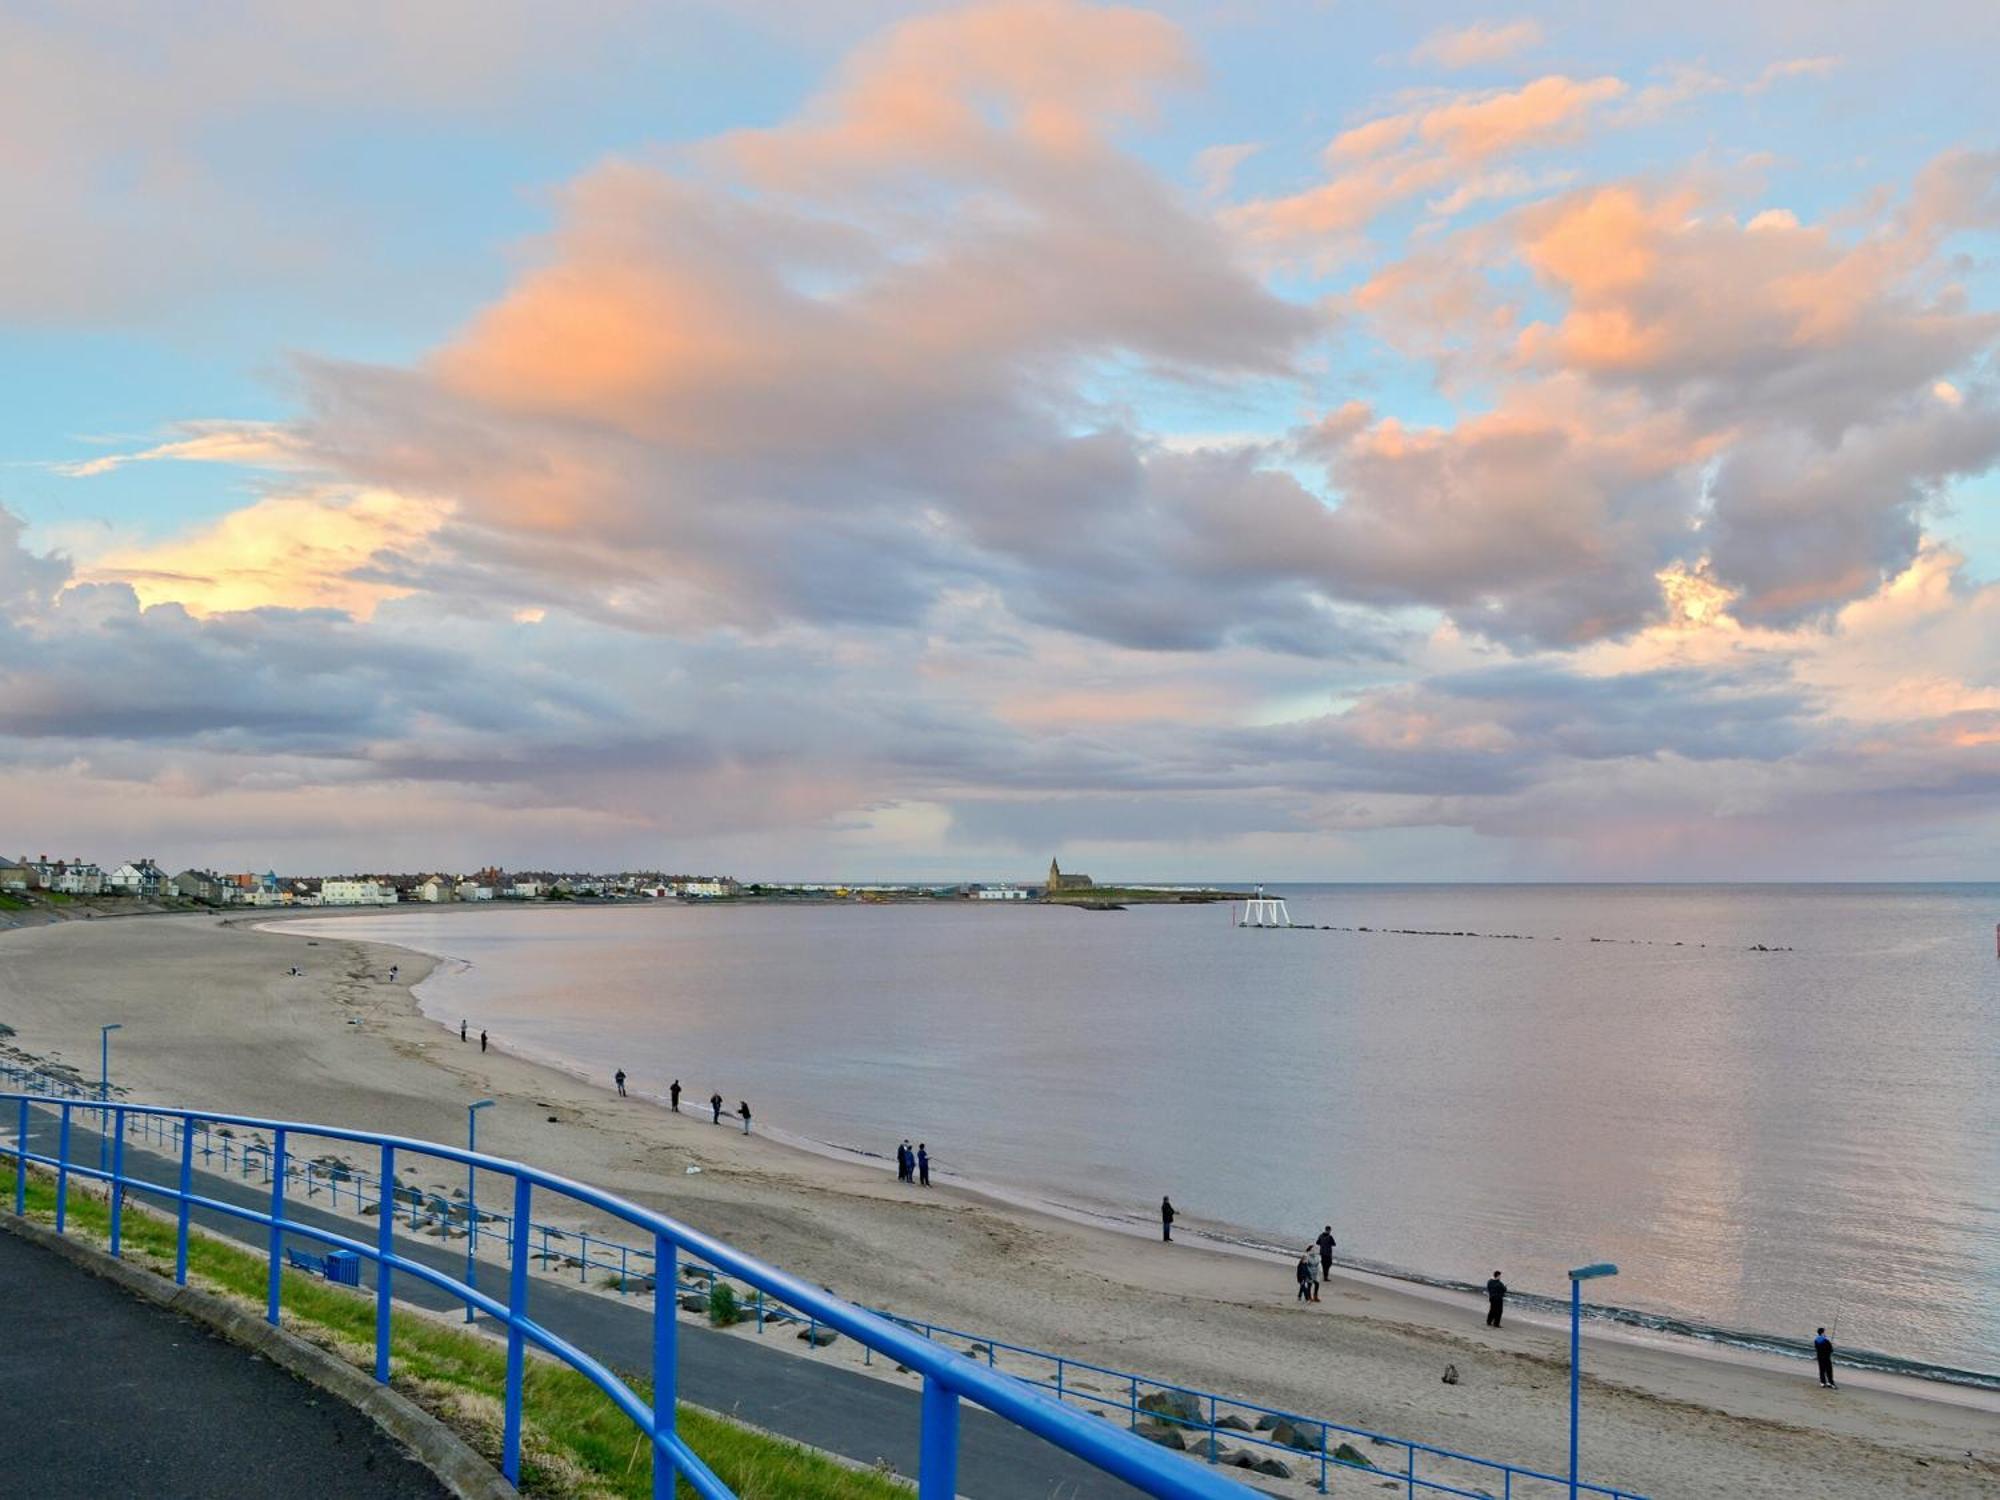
(138, 877)
(435, 888)
(472, 890)
(77, 878)
(709, 888)
(356, 893)
(1000, 893)
(523, 890)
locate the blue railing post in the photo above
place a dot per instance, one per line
(181, 1208)
(517, 1309)
(1211, 1432)
(937, 1456)
(1410, 1470)
(62, 1168)
(276, 1161)
(118, 1182)
(666, 1353)
(21, 1163)
(385, 1247)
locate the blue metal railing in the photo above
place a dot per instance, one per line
(1203, 1420)
(948, 1377)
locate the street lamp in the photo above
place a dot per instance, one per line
(472, 1199)
(1576, 1280)
(104, 1090)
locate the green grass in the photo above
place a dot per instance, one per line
(576, 1445)
(10, 902)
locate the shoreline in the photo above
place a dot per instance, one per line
(1636, 1326)
(210, 1014)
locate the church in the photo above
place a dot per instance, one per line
(1061, 882)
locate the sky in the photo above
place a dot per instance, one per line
(1221, 440)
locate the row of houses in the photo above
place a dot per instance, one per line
(80, 877)
(145, 879)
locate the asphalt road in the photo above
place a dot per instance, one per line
(108, 1396)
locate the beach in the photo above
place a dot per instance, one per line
(210, 1016)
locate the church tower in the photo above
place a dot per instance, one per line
(1055, 876)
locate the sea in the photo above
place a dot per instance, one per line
(1773, 1107)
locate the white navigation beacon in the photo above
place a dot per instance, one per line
(1265, 911)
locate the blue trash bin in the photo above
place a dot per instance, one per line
(343, 1266)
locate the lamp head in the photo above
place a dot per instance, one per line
(1591, 1273)
(482, 1104)
(114, 1026)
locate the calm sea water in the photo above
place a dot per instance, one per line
(1764, 1141)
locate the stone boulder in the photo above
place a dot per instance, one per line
(1348, 1454)
(1230, 1422)
(1165, 1436)
(819, 1338)
(1175, 1406)
(1305, 1440)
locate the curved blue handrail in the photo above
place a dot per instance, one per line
(948, 1377)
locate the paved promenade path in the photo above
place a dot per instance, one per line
(840, 1410)
(107, 1396)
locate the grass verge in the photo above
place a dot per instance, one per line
(575, 1444)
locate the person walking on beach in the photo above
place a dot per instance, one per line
(1496, 1300)
(482, 1040)
(619, 1079)
(461, 1029)
(743, 1109)
(1166, 1219)
(1304, 1271)
(1823, 1353)
(674, 1096)
(1312, 1268)
(1326, 1242)
(715, 1106)
(923, 1164)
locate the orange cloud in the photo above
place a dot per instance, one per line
(1388, 160)
(291, 552)
(1477, 45)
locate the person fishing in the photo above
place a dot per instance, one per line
(1823, 1356)
(1496, 1300)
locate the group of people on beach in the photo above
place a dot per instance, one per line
(1313, 1269)
(462, 1028)
(913, 1165)
(742, 1110)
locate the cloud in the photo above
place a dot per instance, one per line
(1479, 45)
(327, 550)
(264, 445)
(1432, 148)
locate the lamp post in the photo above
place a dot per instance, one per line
(1576, 1280)
(104, 1090)
(472, 1199)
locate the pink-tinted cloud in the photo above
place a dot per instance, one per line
(1479, 45)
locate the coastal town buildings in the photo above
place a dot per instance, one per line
(357, 891)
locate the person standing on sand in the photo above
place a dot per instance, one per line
(1304, 1271)
(1823, 1353)
(715, 1106)
(461, 1028)
(743, 1109)
(482, 1040)
(674, 1095)
(619, 1079)
(1166, 1219)
(392, 973)
(923, 1164)
(906, 1164)
(1496, 1300)
(1326, 1242)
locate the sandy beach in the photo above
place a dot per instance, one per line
(211, 1016)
